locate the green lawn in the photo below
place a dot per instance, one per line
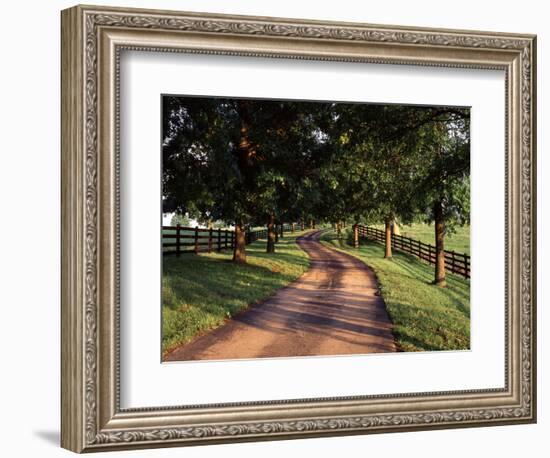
(200, 292)
(459, 241)
(425, 317)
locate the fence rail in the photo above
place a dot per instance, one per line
(181, 239)
(458, 263)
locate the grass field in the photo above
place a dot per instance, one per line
(459, 241)
(425, 317)
(200, 292)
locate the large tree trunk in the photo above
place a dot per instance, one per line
(245, 152)
(387, 222)
(439, 245)
(302, 225)
(282, 230)
(271, 235)
(339, 228)
(239, 251)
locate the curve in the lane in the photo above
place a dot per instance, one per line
(333, 309)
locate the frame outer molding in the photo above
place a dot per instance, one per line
(72, 243)
(91, 39)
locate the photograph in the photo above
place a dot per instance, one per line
(267, 223)
(301, 228)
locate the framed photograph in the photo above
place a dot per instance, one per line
(277, 228)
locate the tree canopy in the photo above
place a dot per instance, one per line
(249, 162)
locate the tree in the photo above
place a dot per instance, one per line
(236, 159)
(264, 162)
(421, 156)
(374, 166)
(444, 189)
(181, 220)
(205, 161)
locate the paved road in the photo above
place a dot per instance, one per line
(332, 309)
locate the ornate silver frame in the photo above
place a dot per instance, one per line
(92, 38)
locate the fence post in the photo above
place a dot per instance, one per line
(196, 239)
(282, 229)
(292, 227)
(466, 266)
(210, 239)
(355, 235)
(219, 238)
(178, 228)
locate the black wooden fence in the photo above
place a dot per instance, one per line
(458, 263)
(181, 239)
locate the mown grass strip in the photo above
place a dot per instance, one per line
(425, 317)
(200, 292)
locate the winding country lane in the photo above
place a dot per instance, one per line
(332, 309)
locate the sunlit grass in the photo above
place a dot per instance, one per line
(459, 241)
